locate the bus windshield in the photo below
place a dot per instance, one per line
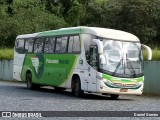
(121, 58)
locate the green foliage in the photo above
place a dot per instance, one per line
(29, 17)
(6, 54)
(75, 14)
(140, 17)
(155, 54)
(94, 14)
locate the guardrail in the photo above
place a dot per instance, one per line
(151, 74)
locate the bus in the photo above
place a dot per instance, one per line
(83, 59)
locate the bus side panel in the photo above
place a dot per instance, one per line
(49, 69)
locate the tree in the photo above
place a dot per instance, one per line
(139, 17)
(76, 14)
(29, 17)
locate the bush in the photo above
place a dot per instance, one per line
(155, 54)
(6, 54)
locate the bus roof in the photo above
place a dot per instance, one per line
(101, 32)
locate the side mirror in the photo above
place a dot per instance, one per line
(148, 50)
(99, 44)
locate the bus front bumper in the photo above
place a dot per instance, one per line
(102, 88)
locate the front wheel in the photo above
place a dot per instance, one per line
(114, 97)
(76, 88)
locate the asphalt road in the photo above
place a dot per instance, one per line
(14, 96)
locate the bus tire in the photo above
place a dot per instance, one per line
(76, 87)
(31, 85)
(114, 97)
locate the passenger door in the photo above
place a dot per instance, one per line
(92, 69)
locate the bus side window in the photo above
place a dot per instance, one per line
(38, 45)
(30, 45)
(70, 46)
(74, 44)
(61, 44)
(58, 45)
(49, 45)
(19, 45)
(64, 44)
(26, 46)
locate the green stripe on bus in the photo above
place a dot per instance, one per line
(111, 86)
(111, 78)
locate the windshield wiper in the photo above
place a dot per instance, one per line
(134, 73)
(117, 67)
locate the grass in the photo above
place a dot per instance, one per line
(155, 54)
(6, 53)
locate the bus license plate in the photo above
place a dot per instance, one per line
(123, 90)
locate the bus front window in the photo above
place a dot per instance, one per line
(121, 58)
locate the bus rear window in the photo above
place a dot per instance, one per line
(29, 45)
(19, 45)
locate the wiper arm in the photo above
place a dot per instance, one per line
(116, 69)
(134, 73)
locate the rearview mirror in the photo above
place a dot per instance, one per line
(148, 50)
(99, 44)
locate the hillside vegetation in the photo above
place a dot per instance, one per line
(139, 17)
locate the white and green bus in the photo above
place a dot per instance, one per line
(83, 59)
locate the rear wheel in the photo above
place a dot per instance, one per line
(114, 97)
(31, 85)
(76, 87)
